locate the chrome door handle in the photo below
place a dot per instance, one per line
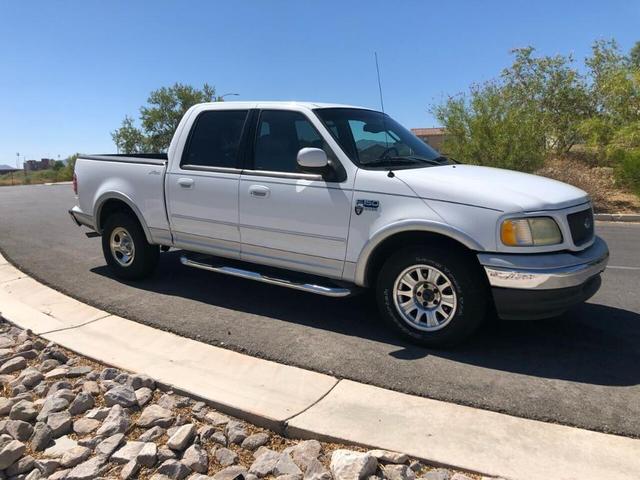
(259, 191)
(185, 182)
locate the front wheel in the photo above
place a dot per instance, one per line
(126, 249)
(433, 296)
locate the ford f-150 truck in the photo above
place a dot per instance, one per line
(330, 199)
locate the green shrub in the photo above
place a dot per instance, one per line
(628, 168)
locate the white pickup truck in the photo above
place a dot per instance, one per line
(330, 199)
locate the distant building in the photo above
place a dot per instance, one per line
(7, 169)
(42, 164)
(432, 136)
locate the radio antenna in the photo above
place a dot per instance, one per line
(379, 82)
(384, 123)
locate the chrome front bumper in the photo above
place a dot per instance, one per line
(548, 271)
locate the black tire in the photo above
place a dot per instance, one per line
(465, 279)
(145, 257)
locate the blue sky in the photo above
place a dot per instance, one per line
(70, 70)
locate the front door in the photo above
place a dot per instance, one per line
(202, 189)
(289, 218)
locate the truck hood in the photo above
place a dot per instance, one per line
(494, 188)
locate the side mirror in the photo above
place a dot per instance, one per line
(312, 158)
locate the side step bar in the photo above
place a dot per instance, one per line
(283, 282)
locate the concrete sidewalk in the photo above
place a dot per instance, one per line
(302, 403)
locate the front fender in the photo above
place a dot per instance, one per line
(409, 225)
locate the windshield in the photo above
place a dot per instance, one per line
(375, 140)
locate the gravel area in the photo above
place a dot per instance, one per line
(63, 416)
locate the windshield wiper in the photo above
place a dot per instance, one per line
(432, 161)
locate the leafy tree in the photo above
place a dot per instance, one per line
(634, 56)
(551, 86)
(159, 118)
(130, 139)
(489, 127)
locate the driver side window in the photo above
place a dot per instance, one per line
(280, 135)
(371, 146)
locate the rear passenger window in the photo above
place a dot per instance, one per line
(215, 139)
(281, 135)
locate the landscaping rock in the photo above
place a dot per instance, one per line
(83, 402)
(128, 452)
(182, 437)
(398, 472)
(52, 404)
(98, 413)
(60, 446)
(109, 444)
(350, 465)
(88, 470)
(264, 463)
(386, 456)
(230, 473)
(152, 434)
(116, 422)
(84, 426)
(141, 381)
(5, 405)
(30, 377)
(155, 415)
(148, 455)
(304, 452)
(130, 470)
(195, 457)
(23, 465)
(13, 365)
(253, 442)
(74, 456)
(143, 396)
(315, 470)
(60, 423)
(225, 457)
(10, 452)
(42, 437)
(216, 419)
(286, 466)
(437, 474)
(235, 432)
(121, 395)
(19, 430)
(91, 387)
(173, 469)
(23, 410)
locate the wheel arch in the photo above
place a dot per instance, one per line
(112, 202)
(405, 233)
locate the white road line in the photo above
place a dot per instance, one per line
(623, 268)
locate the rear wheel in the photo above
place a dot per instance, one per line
(126, 249)
(432, 295)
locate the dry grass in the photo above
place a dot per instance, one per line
(599, 182)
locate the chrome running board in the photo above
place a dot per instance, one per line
(283, 282)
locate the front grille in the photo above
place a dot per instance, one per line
(581, 226)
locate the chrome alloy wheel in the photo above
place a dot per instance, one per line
(122, 246)
(425, 297)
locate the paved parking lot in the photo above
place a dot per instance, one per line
(581, 369)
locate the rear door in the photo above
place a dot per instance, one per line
(202, 188)
(289, 218)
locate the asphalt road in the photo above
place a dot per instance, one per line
(582, 369)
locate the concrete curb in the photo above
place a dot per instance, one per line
(302, 403)
(617, 217)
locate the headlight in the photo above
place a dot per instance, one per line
(527, 232)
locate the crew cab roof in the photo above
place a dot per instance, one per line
(276, 104)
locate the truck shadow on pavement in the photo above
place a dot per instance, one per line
(593, 344)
